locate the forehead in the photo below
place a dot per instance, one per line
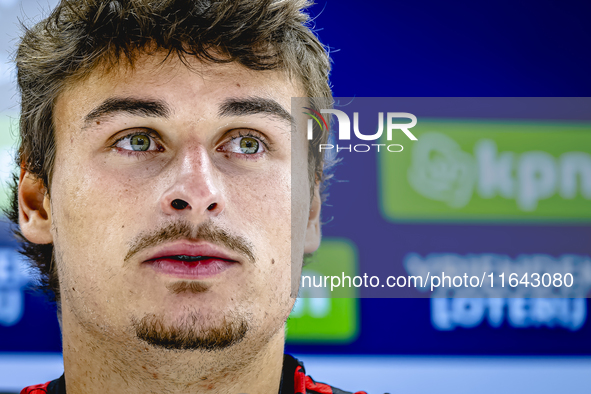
(191, 87)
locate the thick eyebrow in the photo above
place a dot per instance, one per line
(128, 105)
(254, 106)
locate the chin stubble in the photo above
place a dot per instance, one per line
(189, 334)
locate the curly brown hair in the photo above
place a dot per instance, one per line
(81, 36)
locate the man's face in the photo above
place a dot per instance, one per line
(171, 202)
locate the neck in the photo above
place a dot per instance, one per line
(96, 361)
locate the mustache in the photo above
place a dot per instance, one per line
(183, 230)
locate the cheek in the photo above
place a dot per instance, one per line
(92, 211)
(260, 205)
(261, 210)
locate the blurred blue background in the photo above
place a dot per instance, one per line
(379, 48)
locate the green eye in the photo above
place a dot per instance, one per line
(249, 145)
(140, 142)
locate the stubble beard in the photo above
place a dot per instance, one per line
(193, 332)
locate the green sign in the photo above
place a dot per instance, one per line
(317, 317)
(465, 170)
(8, 129)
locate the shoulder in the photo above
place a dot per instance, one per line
(36, 389)
(304, 384)
(57, 386)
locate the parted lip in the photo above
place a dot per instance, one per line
(188, 248)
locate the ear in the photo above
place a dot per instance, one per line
(313, 234)
(34, 212)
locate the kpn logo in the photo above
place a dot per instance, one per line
(343, 136)
(493, 170)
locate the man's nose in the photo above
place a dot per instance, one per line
(195, 189)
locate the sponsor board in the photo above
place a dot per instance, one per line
(13, 280)
(323, 318)
(473, 170)
(557, 313)
(8, 125)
